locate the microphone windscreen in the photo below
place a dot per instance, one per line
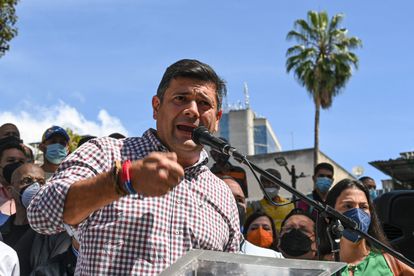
(197, 133)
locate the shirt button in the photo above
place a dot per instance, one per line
(179, 201)
(177, 232)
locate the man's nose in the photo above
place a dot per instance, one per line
(192, 109)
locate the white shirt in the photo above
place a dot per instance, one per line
(251, 249)
(9, 263)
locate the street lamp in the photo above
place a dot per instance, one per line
(281, 161)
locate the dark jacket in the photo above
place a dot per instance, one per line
(33, 249)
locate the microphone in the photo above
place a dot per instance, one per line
(201, 136)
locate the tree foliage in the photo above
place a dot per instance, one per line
(74, 139)
(322, 60)
(8, 21)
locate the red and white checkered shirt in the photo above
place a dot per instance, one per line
(139, 235)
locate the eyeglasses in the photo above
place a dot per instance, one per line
(28, 180)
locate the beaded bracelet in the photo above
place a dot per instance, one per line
(126, 177)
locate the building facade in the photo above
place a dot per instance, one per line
(248, 133)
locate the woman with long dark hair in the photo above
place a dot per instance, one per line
(260, 230)
(351, 198)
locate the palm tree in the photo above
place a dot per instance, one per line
(321, 61)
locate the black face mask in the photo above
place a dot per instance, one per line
(9, 169)
(295, 243)
(242, 214)
(10, 139)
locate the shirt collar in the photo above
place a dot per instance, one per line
(151, 135)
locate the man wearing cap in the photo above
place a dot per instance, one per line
(55, 147)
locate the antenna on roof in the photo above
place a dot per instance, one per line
(246, 96)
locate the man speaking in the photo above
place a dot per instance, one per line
(138, 204)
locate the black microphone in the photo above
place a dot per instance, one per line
(201, 136)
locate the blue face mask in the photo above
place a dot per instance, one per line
(28, 193)
(373, 194)
(56, 153)
(323, 184)
(363, 220)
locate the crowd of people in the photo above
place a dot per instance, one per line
(134, 205)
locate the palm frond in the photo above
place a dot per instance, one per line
(336, 21)
(299, 37)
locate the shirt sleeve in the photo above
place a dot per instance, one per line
(45, 212)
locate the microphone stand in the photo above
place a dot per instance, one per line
(338, 221)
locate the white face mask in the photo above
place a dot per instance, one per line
(272, 192)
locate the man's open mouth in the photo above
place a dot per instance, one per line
(186, 128)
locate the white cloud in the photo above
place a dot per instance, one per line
(33, 123)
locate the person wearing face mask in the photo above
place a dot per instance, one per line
(323, 178)
(246, 247)
(222, 167)
(260, 230)
(11, 156)
(55, 148)
(371, 186)
(277, 213)
(351, 198)
(9, 130)
(33, 249)
(297, 237)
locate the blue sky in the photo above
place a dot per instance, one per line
(94, 66)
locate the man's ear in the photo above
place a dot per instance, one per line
(156, 102)
(42, 147)
(9, 189)
(218, 117)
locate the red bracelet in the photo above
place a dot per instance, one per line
(126, 177)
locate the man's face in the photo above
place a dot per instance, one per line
(55, 139)
(187, 103)
(236, 191)
(323, 173)
(9, 130)
(24, 177)
(267, 184)
(299, 222)
(10, 156)
(307, 226)
(370, 184)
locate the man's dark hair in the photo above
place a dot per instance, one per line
(11, 145)
(116, 135)
(364, 178)
(273, 172)
(298, 212)
(11, 125)
(84, 139)
(10, 139)
(325, 166)
(193, 69)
